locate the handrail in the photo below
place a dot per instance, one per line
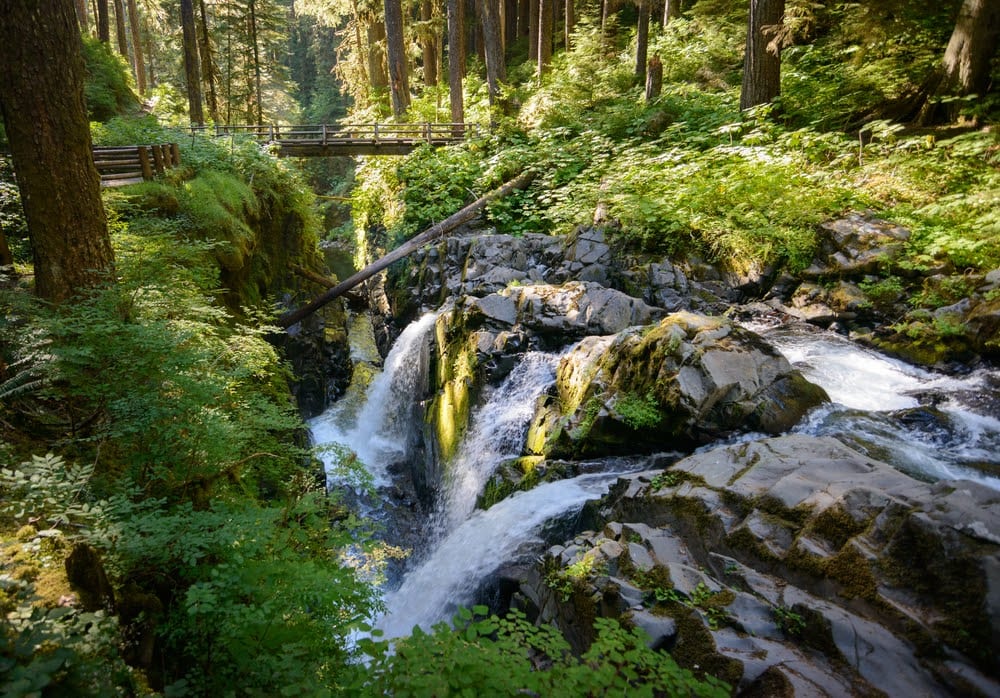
(130, 164)
(324, 134)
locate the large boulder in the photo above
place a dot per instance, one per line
(795, 565)
(688, 380)
(856, 245)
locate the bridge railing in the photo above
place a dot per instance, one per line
(344, 134)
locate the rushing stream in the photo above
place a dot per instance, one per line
(929, 425)
(926, 424)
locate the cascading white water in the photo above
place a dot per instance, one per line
(449, 577)
(496, 432)
(383, 430)
(904, 415)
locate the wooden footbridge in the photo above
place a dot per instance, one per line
(134, 163)
(325, 140)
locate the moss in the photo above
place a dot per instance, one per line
(695, 649)
(835, 526)
(743, 541)
(853, 571)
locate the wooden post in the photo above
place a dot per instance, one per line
(175, 154)
(324, 134)
(376, 132)
(157, 158)
(147, 170)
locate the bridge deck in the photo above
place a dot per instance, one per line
(325, 140)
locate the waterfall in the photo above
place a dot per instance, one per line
(477, 547)
(384, 428)
(496, 432)
(923, 423)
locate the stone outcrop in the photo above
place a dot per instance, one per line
(688, 380)
(792, 566)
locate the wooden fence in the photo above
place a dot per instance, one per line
(130, 164)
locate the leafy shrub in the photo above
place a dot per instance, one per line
(514, 657)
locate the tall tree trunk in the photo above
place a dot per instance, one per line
(137, 58)
(258, 93)
(120, 28)
(81, 15)
(523, 11)
(570, 24)
(456, 59)
(429, 43)
(533, 10)
(546, 19)
(192, 73)
(762, 61)
(207, 62)
(41, 84)
(965, 69)
(496, 68)
(377, 71)
(642, 42)
(103, 22)
(671, 10)
(399, 87)
(509, 23)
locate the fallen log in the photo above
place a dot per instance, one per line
(409, 247)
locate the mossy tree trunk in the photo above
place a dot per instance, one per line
(192, 71)
(399, 85)
(41, 98)
(120, 32)
(546, 20)
(208, 69)
(965, 68)
(456, 59)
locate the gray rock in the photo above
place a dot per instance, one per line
(662, 630)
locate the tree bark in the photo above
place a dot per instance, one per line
(509, 23)
(965, 69)
(762, 61)
(41, 84)
(377, 72)
(406, 249)
(546, 20)
(570, 24)
(258, 93)
(192, 73)
(523, 11)
(654, 78)
(103, 22)
(456, 59)
(642, 42)
(399, 86)
(533, 9)
(120, 28)
(81, 15)
(208, 70)
(137, 58)
(429, 43)
(671, 10)
(496, 68)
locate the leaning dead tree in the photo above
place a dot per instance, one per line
(409, 247)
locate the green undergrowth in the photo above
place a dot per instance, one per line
(689, 174)
(514, 657)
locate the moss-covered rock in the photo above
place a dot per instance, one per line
(687, 380)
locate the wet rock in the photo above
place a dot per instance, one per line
(816, 569)
(687, 380)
